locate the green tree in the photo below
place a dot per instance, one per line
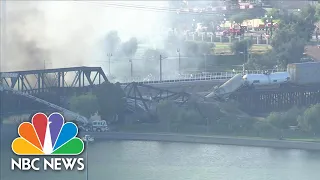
(242, 47)
(318, 12)
(261, 62)
(111, 100)
(210, 111)
(191, 117)
(240, 17)
(85, 105)
(274, 13)
(283, 120)
(169, 114)
(276, 119)
(190, 48)
(288, 51)
(263, 127)
(288, 41)
(310, 120)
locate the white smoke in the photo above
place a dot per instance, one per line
(55, 34)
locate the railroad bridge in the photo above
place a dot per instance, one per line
(280, 99)
(64, 80)
(54, 85)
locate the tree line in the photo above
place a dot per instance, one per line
(288, 42)
(222, 118)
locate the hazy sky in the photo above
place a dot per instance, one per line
(71, 33)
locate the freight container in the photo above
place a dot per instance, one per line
(304, 73)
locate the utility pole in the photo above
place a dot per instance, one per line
(87, 159)
(205, 62)
(109, 59)
(161, 58)
(160, 67)
(271, 24)
(131, 68)
(271, 27)
(87, 139)
(179, 61)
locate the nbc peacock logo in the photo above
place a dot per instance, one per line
(49, 136)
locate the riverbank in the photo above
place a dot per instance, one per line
(223, 140)
(8, 133)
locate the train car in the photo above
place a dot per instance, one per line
(228, 87)
(304, 73)
(266, 80)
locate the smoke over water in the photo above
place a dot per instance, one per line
(44, 34)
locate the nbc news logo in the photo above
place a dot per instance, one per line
(47, 136)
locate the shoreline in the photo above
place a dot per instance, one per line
(221, 140)
(8, 133)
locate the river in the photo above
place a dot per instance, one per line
(137, 160)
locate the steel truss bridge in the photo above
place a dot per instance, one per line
(38, 81)
(45, 89)
(281, 99)
(143, 96)
(64, 82)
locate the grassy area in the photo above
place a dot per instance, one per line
(306, 140)
(224, 48)
(151, 128)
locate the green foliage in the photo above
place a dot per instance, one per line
(318, 11)
(284, 120)
(310, 120)
(111, 100)
(240, 17)
(263, 126)
(230, 107)
(226, 60)
(191, 117)
(261, 62)
(274, 13)
(85, 105)
(168, 112)
(295, 30)
(288, 41)
(191, 48)
(210, 111)
(242, 46)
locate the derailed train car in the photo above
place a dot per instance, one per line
(266, 80)
(297, 74)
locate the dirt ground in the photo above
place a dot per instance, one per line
(314, 52)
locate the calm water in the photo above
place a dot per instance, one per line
(129, 160)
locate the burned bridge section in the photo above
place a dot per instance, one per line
(144, 97)
(39, 81)
(280, 99)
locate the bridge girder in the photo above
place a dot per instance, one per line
(37, 81)
(278, 99)
(144, 95)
